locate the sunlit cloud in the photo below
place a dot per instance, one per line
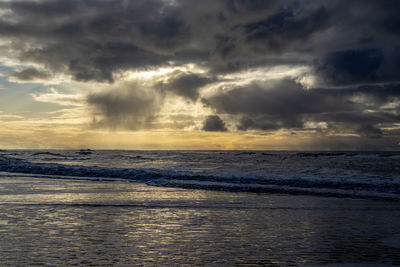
(53, 96)
(9, 117)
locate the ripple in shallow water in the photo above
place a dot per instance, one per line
(64, 222)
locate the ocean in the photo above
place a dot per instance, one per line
(196, 208)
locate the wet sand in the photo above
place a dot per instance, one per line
(80, 222)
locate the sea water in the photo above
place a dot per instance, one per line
(199, 208)
(342, 174)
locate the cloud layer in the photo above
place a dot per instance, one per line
(349, 49)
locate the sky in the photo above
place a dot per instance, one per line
(210, 74)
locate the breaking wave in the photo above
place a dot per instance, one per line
(308, 181)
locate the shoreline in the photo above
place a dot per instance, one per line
(53, 221)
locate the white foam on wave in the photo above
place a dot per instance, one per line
(226, 186)
(211, 170)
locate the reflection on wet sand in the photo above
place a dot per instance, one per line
(79, 222)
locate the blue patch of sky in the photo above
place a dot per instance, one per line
(16, 98)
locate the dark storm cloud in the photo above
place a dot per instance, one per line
(259, 122)
(30, 75)
(280, 105)
(285, 104)
(284, 27)
(369, 131)
(213, 123)
(359, 66)
(378, 15)
(92, 39)
(351, 66)
(237, 6)
(113, 56)
(131, 107)
(186, 85)
(265, 39)
(165, 32)
(48, 8)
